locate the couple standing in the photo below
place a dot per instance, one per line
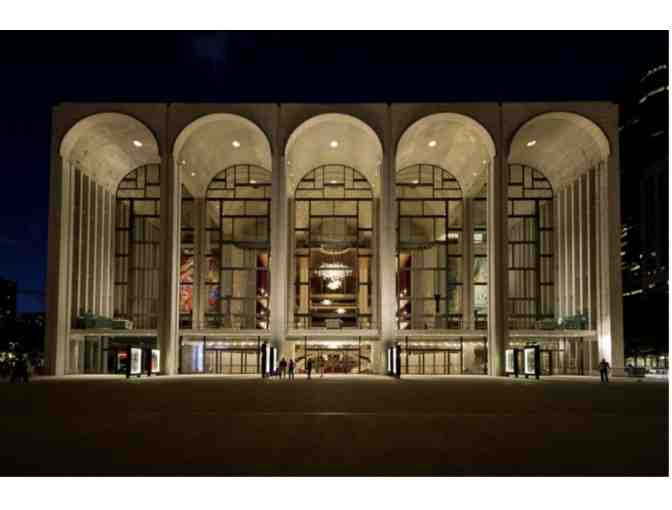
(286, 368)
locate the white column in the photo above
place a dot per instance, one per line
(557, 253)
(592, 255)
(498, 173)
(84, 243)
(581, 248)
(59, 266)
(111, 246)
(387, 249)
(99, 260)
(610, 322)
(104, 255)
(280, 293)
(76, 242)
(169, 264)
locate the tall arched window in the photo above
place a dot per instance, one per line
(137, 247)
(334, 244)
(237, 248)
(530, 237)
(429, 248)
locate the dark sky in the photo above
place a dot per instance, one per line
(38, 70)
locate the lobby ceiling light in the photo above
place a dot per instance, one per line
(252, 181)
(137, 143)
(235, 143)
(193, 174)
(432, 143)
(340, 311)
(531, 143)
(326, 302)
(333, 144)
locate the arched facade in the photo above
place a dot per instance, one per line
(230, 236)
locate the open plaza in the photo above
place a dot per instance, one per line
(335, 425)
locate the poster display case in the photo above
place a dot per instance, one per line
(511, 365)
(394, 361)
(156, 361)
(136, 361)
(532, 361)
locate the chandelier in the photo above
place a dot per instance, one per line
(334, 273)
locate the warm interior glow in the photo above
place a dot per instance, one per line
(235, 143)
(432, 143)
(333, 144)
(531, 143)
(137, 143)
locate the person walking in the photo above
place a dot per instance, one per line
(604, 371)
(309, 366)
(283, 368)
(291, 369)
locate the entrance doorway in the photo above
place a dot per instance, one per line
(220, 356)
(334, 358)
(231, 361)
(446, 357)
(432, 362)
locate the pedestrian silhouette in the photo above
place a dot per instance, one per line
(283, 368)
(309, 367)
(604, 371)
(291, 369)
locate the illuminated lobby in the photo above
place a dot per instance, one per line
(400, 239)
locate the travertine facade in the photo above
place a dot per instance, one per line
(209, 226)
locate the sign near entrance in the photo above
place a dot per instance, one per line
(510, 361)
(531, 357)
(136, 361)
(156, 361)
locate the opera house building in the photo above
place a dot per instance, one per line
(403, 238)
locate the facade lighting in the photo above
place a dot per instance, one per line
(137, 143)
(432, 143)
(333, 144)
(235, 143)
(340, 311)
(531, 143)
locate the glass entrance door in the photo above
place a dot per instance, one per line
(431, 362)
(231, 361)
(334, 358)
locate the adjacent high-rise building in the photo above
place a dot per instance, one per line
(644, 239)
(7, 303)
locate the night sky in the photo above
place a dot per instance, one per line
(39, 70)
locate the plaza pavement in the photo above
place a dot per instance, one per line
(336, 425)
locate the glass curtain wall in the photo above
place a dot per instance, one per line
(237, 248)
(429, 248)
(137, 247)
(479, 218)
(187, 259)
(333, 235)
(530, 243)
